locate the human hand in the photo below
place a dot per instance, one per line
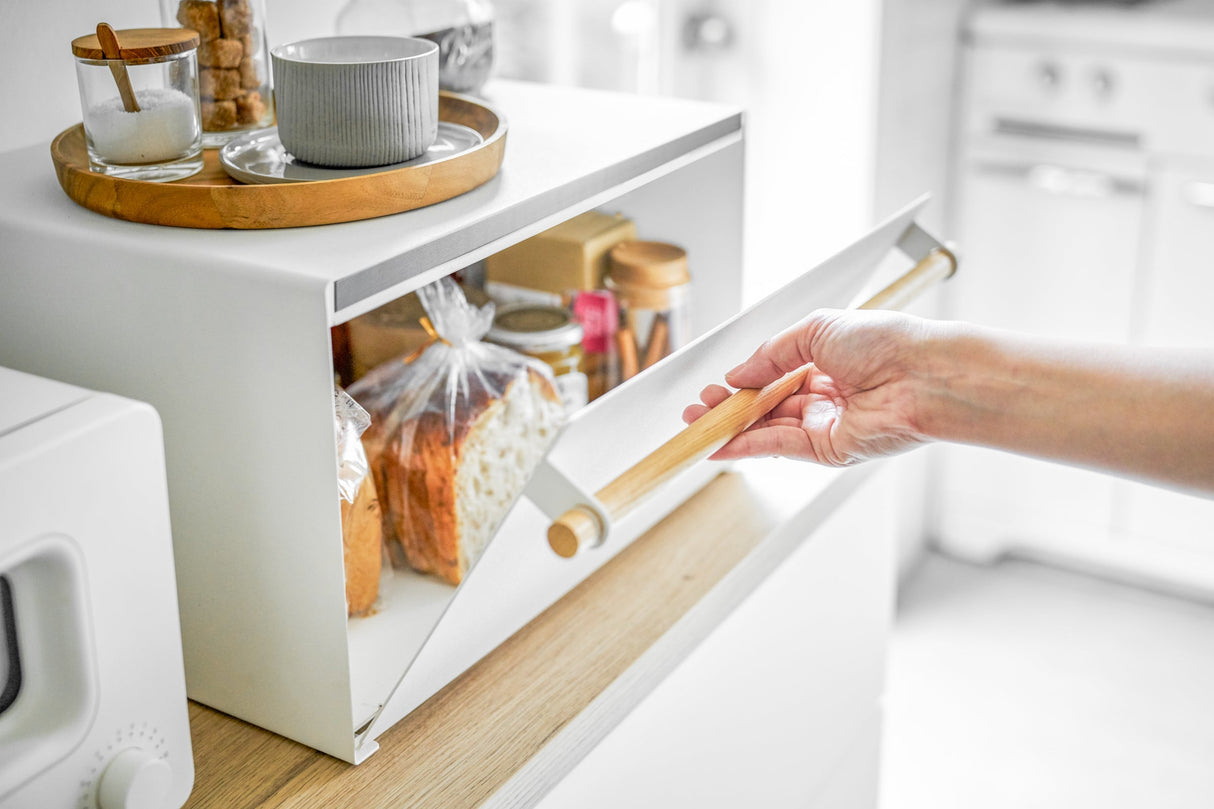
(859, 400)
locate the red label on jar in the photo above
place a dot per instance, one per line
(597, 312)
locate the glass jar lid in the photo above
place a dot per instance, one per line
(653, 265)
(139, 44)
(535, 327)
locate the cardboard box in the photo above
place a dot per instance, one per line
(392, 331)
(570, 256)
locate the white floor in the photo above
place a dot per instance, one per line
(1024, 686)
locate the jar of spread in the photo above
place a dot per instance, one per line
(139, 99)
(551, 335)
(653, 288)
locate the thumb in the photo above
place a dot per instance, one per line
(787, 351)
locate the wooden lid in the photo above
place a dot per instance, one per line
(139, 43)
(648, 264)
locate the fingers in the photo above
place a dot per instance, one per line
(787, 351)
(711, 396)
(786, 440)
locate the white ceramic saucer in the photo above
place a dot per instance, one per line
(259, 157)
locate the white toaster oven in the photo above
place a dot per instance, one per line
(93, 708)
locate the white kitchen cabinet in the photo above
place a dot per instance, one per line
(1083, 209)
(777, 706)
(1049, 255)
(227, 333)
(1173, 311)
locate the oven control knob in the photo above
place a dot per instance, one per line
(135, 779)
(1049, 75)
(1103, 84)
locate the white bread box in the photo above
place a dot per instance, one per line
(228, 335)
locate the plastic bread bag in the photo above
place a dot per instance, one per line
(456, 430)
(361, 520)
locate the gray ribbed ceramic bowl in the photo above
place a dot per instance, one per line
(350, 102)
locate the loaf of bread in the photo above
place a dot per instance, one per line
(362, 534)
(448, 474)
(362, 546)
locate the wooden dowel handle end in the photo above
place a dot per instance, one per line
(576, 528)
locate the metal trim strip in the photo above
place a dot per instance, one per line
(361, 285)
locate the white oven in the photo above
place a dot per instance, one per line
(92, 687)
(1084, 202)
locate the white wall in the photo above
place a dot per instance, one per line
(913, 156)
(917, 92)
(805, 73)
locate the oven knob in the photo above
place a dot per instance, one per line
(1049, 75)
(1103, 84)
(135, 779)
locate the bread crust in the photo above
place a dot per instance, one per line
(362, 540)
(416, 464)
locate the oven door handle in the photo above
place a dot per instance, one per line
(1065, 181)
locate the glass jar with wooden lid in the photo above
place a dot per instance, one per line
(139, 100)
(652, 285)
(233, 64)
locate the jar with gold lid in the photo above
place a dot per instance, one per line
(652, 285)
(551, 335)
(139, 100)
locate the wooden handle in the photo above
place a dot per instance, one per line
(113, 53)
(579, 527)
(936, 266)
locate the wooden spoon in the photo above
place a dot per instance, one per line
(113, 54)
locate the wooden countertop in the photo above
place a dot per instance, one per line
(512, 725)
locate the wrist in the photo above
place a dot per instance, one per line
(960, 381)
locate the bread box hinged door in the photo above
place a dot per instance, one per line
(425, 633)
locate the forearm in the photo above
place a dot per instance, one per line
(1141, 412)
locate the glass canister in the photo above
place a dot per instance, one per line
(233, 64)
(139, 99)
(551, 335)
(463, 30)
(652, 285)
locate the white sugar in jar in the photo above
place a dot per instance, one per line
(165, 128)
(153, 131)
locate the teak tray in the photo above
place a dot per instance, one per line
(211, 199)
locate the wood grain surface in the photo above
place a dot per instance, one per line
(211, 199)
(135, 43)
(466, 742)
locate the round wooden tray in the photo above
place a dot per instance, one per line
(211, 199)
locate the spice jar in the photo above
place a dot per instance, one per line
(551, 335)
(653, 288)
(233, 64)
(598, 313)
(139, 99)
